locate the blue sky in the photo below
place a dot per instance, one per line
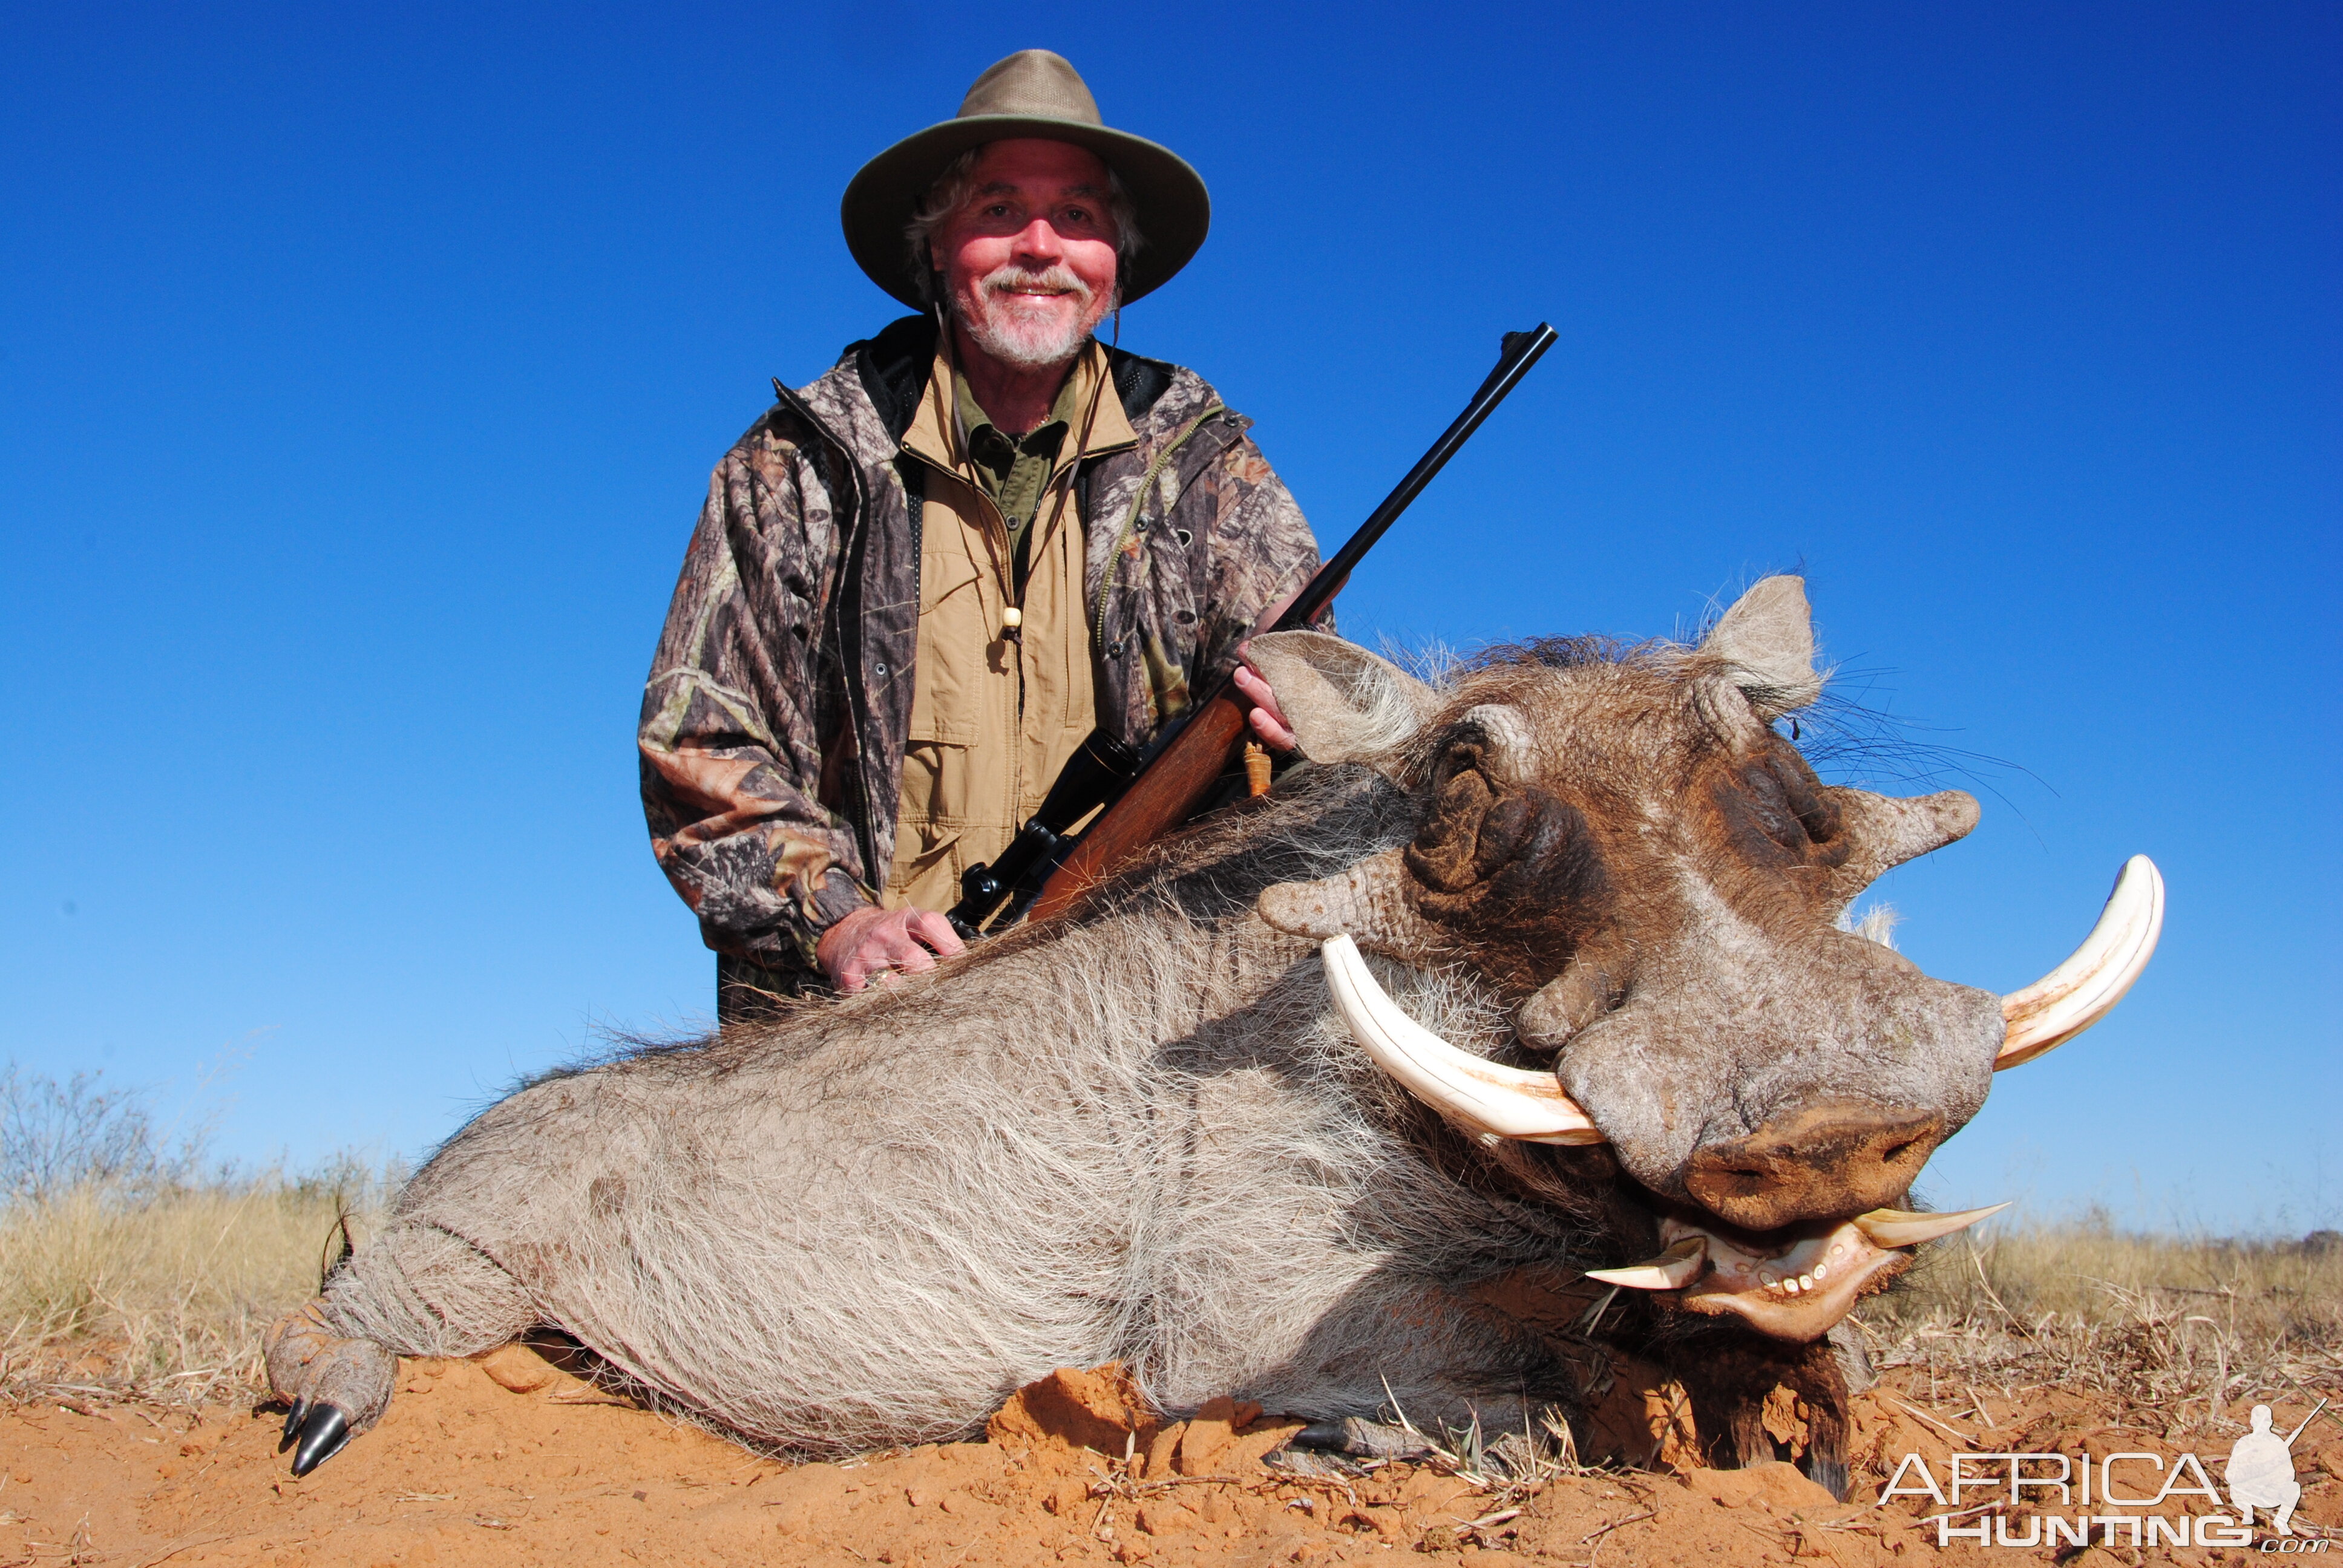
(361, 369)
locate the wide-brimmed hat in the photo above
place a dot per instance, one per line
(1033, 93)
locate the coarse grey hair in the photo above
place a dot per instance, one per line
(1147, 1140)
(949, 193)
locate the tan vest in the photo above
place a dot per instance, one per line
(993, 716)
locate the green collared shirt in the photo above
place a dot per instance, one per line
(1014, 470)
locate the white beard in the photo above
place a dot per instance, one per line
(1012, 330)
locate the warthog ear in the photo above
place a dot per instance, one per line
(1344, 704)
(1765, 646)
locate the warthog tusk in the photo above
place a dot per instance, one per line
(1902, 1228)
(1474, 1092)
(1671, 1271)
(2080, 992)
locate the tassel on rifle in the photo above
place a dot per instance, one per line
(1256, 761)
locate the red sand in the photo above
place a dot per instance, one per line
(507, 1460)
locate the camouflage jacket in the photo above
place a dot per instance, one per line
(774, 721)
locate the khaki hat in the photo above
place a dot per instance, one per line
(1033, 93)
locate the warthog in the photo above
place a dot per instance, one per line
(1609, 1016)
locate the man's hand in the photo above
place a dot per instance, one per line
(873, 941)
(1267, 718)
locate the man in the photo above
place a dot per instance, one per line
(2260, 1473)
(921, 581)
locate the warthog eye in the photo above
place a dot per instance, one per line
(1777, 812)
(1458, 845)
(1515, 870)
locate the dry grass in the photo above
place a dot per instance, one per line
(2173, 1330)
(158, 1294)
(125, 1270)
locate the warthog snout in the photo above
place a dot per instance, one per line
(1820, 1162)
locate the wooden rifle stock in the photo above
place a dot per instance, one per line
(1166, 794)
(1177, 779)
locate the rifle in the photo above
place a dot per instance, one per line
(1148, 795)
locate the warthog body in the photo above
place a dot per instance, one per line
(1143, 1133)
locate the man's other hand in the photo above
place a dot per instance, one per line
(1268, 720)
(873, 941)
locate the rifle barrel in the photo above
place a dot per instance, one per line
(1186, 761)
(1521, 351)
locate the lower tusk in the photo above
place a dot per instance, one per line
(1480, 1094)
(1671, 1271)
(1902, 1228)
(2080, 992)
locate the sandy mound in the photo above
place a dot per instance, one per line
(508, 1460)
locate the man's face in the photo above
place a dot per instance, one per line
(1029, 260)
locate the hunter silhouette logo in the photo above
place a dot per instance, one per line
(2260, 1473)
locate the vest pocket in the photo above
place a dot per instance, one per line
(927, 865)
(954, 651)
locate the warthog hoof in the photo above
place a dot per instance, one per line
(321, 1430)
(337, 1387)
(1356, 1439)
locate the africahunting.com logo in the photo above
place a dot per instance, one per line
(2260, 1473)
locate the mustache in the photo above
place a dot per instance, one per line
(1012, 279)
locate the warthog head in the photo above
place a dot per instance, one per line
(1652, 876)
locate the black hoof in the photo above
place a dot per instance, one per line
(1357, 1438)
(322, 1437)
(293, 1422)
(1325, 1436)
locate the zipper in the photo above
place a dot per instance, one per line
(850, 659)
(1130, 518)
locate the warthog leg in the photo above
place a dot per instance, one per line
(418, 1289)
(1730, 1384)
(339, 1387)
